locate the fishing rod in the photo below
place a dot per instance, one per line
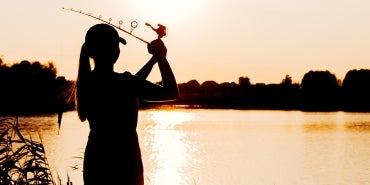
(161, 30)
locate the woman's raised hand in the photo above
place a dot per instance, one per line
(157, 48)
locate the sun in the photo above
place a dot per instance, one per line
(167, 10)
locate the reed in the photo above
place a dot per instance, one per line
(22, 160)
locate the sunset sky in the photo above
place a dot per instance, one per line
(218, 40)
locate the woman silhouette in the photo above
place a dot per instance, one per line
(109, 102)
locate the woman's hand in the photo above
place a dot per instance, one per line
(157, 48)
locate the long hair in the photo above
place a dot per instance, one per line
(99, 40)
(84, 70)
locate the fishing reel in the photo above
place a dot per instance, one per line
(161, 30)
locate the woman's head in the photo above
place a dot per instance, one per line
(102, 42)
(102, 34)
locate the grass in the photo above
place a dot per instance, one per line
(22, 160)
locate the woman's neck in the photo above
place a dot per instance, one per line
(102, 68)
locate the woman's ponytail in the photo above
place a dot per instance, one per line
(84, 70)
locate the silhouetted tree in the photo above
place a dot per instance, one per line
(320, 91)
(287, 80)
(244, 81)
(192, 86)
(65, 99)
(210, 87)
(28, 87)
(290, 96)
(190, 93)
(211, 93)
(4, 84)
(356, 90)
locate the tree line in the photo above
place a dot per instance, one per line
(32, 87)
(318, 91)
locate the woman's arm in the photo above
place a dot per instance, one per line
(168, 79)
(168, 90)
(147, 68)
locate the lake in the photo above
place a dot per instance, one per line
(225, 146)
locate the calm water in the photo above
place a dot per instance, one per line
(227, 147)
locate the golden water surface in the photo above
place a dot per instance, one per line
(227, 147)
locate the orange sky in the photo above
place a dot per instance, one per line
(218, 40)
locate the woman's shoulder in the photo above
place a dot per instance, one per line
(128, 76)
(127, 79)
(125, 75)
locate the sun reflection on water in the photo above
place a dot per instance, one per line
(168, 147)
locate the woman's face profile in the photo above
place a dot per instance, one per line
(103, 43)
